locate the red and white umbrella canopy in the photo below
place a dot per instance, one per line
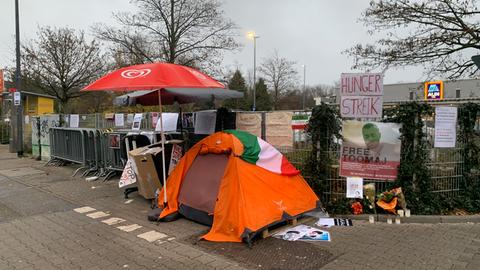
(153, 76)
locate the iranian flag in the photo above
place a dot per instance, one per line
(263, 154)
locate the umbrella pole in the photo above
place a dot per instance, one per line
(162, 135)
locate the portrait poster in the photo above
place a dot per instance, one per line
(370, 150)
(303, 233)
(114, 140)
(137, 121)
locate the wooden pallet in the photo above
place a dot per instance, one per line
(290, 223)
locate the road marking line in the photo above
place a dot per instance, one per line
(98, 214)
(152, 236)
(84, 209)
(129, 228)
(128, 201)
(113, 221)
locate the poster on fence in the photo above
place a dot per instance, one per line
(137, 121)
(74, 120)
(169, 122)
(354, 187)
(370, 150)
(119, 120)
(205, 122)
(278, 128)
(445, 127)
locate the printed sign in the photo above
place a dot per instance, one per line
(128, 176)
(445, 127)
(354, 187)
(370, 150)
(137, 121)
(175, 157)
(119, 120)
(74, 120)
(17, 98)
(433, 90)
(361, 95)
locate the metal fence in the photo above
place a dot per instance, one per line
(4, 132)
(446, 167)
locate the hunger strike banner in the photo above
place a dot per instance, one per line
(361, 95)
(370, 150)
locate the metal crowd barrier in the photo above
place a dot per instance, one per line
(80, 146)
(91, 148)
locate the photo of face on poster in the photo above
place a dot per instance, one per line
(370, 150)
(114, 140)
(187, 120)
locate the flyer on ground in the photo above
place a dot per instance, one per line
(370, 150)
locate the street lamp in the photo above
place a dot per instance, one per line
(252, 35)
(303, 94)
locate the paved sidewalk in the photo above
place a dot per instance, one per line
(49, 220)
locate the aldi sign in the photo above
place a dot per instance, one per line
(433, 90)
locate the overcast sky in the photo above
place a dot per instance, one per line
(311, 32)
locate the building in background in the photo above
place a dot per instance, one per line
(455, 91)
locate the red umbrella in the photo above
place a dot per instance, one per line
(173, 82)
(153, 76)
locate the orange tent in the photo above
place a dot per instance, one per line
(238, 184)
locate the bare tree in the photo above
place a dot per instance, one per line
(438, 34)
(187, 32)
(60, 61)
(279, 74)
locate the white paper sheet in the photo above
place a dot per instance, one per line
(354, 187)
(74, 120)
(170, 121)
(119, 120)
(445, 127)
(205, 122)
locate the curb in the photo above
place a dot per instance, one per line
(416, 218)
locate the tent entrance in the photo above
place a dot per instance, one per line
(200, 186)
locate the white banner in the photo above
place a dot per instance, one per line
(445, 127)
